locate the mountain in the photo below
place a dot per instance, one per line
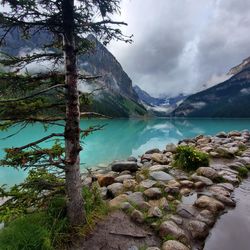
(227, 99)
(112, 93)
(159, 106)
(116, 98)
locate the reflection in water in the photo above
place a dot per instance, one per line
(121, 138)
(233, 229)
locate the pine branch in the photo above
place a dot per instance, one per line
(38, 141)
(94, 114)
(33, 95)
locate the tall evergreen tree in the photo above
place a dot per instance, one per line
(66, 23)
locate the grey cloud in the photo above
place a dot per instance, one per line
(181, 45)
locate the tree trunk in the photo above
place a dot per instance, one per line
(75, 205)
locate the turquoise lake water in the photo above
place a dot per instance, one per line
(120, 138)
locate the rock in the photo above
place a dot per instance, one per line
(159, 158)
(207, 172)
(186, 211)
(173, 183)
(224, 152)
(147, 183)
(221, 135)
(125, 205)
(153, 193)
(129, 184)
(234, 133)
(229, 177)
(177, 219)
(185, 191)
(137, 216)
(207, 149)
(171, 228)
(215, 189)
(171, 148)
(170, 197)
(204, 140)
(199, 185)
(159, 168)
(105, 180)
(133, 248)
(198, 229)
(87, 181)
(155, 212)
(137, 199)
(160, 176)
(152, 151)
(115, 189)
(117, 201)
(121, 178)
(225, 200)
(187, 183)
(227, 186)
(125, 172)
(132, 158)
(164, 204)
(103, 192)
(203, 179)
(124, 165)
(206, 216)
(209, 203)
(146, 157)
(152, 248)
(173, 245)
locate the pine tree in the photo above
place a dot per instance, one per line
(66, 24)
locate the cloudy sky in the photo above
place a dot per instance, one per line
(182, 45)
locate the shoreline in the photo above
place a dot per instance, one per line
(180, 207)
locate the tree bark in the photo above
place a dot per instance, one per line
(75, 205)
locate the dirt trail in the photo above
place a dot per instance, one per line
(118, 232)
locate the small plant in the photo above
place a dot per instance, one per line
(243, 172)
(168, 237)
(188, 158)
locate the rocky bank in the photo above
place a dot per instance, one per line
(179, 207)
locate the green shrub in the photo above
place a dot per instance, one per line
(26, 233)
(243, 172)
(188, 158)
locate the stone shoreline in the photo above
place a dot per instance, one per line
(180, 207)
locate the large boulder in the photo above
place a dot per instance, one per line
(198, 229)
(160, 158)
(171, 148)
(171, 228)
(124, 177)
(207, 172)
(117, 201)
(124, 165)
(160, 176)
(209, 203)
(105, 180)
(174, 245)
(115, 189)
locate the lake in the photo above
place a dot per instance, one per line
(119, 139)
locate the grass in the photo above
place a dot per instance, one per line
(168, 237)
(95, 208)
(188, 158)
(48, 229)
(40, 230)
